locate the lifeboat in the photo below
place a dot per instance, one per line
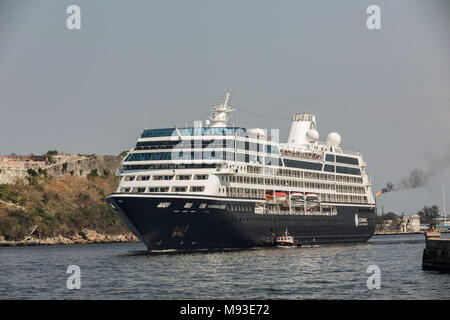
(297, 196)
(312, 200)
(278, 196)
(312, 197)
(281, 196)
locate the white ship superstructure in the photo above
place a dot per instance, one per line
(302, 176)
(247, 171)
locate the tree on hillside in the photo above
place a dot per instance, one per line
(429, 214)
(32, 172)
(390, 216)
(93, 173)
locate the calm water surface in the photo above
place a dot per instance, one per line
(125, 271)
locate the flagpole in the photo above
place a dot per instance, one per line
(443, 201)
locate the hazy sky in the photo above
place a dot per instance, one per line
(387, 92)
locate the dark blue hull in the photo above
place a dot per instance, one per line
(215, 223)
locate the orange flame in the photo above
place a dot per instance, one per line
(378, 193)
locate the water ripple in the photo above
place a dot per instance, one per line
(127, 271)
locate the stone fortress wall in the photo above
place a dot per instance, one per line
(13, 168)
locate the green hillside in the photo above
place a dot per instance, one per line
(58, 206)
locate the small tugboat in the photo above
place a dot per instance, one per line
(285, 240)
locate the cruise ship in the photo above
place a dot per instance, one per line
(216, 186)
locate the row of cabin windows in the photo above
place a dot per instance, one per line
(164, 189)
(180, 155)
(240, 157)
(278, 182)
(245, 193)
(303, 164)
(235, 192)
(185, 144)
(249, 208)
(341, 159)
(171, 166)
(293, 183)
(239, 208)
(348, 170)
(187, 205)
(204, 155)
(318, 167)
(166, 177)
(290, 173)
(350, 189)
(302, 174)
(343, 198)
(203, 144)
(194, 131)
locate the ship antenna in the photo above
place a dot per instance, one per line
(220, 112)
(443, 202)
(145, 124)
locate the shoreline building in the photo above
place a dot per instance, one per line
(410, 223)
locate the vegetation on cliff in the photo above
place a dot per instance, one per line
(60, 206)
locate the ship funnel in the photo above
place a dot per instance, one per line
(300, 133)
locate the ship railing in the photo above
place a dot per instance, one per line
(302, 155)
(354, 153)
(227, 171)
(300, 213)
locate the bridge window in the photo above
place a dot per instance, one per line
(329, 157)
(347, 160)
(347, 170)
(162, 177)
(303, 164)
(158, 189)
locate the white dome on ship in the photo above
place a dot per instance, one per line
(334, 139)
(256, 132)
(312, 135)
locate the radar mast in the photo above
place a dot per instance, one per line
(220, 112)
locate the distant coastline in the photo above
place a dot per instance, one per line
(85, 237)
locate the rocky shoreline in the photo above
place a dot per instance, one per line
(85, 236)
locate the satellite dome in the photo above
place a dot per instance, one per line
(312, 135)
(255, 132)
(334, 139)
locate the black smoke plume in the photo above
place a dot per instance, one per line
(420, 177)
